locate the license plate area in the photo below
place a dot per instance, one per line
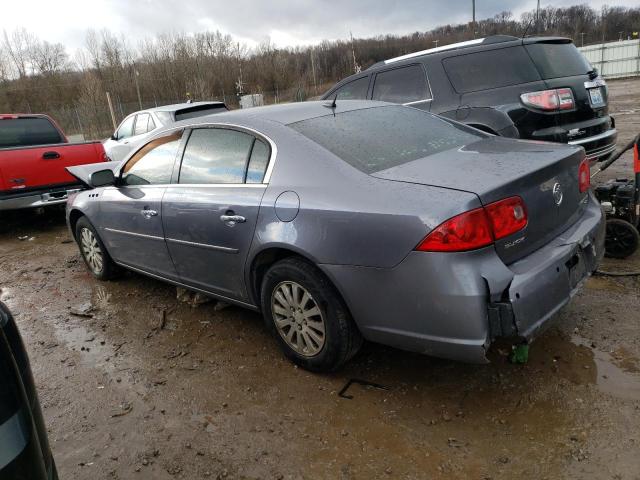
(596, 97)
(577, 269)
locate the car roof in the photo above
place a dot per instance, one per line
(179, 106)
(285, 113)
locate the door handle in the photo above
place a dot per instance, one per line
(231, 220)
(148, 213)
(50, 155)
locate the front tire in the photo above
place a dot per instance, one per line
(307, 316)
(93, 251)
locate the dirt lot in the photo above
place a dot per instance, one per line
(135, 384)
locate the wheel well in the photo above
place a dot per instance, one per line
(262, 262)
(74, 216)
(483, 128)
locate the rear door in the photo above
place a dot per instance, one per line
(210, 214)
(130, 220)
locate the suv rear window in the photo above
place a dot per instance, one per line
(490, 69)
(24, 132)
(375, 139)
(555, 60)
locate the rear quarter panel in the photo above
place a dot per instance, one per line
(345, 216)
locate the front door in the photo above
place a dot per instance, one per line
(131, 212)
(210, 215)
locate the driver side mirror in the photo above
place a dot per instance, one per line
(114, 136)
(102, 178)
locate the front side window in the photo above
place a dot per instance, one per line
(142, 124)
(355, 90)
(401, 85)
(215, 155)
(153, 163)
(126, 128)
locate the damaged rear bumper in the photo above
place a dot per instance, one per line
(453, 305)
(36, 199)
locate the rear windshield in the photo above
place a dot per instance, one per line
(375, 139)
(490, 69)
(199, 111)
(23, 132)
(558, 59)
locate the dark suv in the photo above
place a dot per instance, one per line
(534, 88)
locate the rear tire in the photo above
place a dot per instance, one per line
(621, 238)
(308, 317)
(93, 251)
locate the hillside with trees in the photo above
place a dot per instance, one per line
(37, 76)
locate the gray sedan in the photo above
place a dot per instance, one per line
(361, 220)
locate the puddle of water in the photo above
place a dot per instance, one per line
(617, 373)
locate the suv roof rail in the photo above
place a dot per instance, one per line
(451, 46)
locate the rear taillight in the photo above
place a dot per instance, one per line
(507, 216)
(549, 100)
(584, 176)
(477, 228)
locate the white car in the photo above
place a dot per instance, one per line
(140, 125)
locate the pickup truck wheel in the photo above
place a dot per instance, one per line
(308, 317)
(93, 251)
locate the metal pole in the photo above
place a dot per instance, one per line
(538, 17)
(582, 38)
(473, 22)
(113, 115)
(313, 71)
(136, 74)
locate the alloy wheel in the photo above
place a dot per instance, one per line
(298, 318)
(91, 250)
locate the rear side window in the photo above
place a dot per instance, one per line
(23, 132)
(490, 69)
(375, 139)
(355, 90)
(401, 85)
(153, 163)
(215, 155)
(258, 162)
(555, 60)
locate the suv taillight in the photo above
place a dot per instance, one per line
(549, 100)
(477, 228)
(584, 176)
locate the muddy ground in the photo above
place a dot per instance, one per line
(135, 384)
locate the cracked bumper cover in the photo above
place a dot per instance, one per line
(452, 305)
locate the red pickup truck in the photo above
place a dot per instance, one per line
(33, 155)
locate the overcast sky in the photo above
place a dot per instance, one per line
(286, 22)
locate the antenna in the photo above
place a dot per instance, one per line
(333, 103)
(527, 29)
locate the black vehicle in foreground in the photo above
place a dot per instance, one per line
(24, 448)
(537, 88)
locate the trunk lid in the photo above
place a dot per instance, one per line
(496, 168)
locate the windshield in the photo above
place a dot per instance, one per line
(375, 139)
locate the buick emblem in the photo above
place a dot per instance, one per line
(557, 193)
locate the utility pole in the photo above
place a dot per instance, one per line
(313, 72)
(582, 38)
(473, 16)
(436, 42)
(538, 17)
(113, 115)
(136, 74)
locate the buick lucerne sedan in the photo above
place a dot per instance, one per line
(351, 221)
